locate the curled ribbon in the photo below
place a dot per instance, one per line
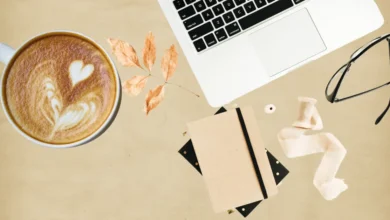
(296, 144)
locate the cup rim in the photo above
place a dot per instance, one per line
(92, 136)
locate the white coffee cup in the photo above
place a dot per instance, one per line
(7, 54)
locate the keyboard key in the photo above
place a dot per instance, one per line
(228, 17)
(298, 1)
(249, 7)
(218, 22)
(201, 31)
(190, 1)
(265, 13)
(233, 29)
(218, 10)
(200, 6)
(239, 2)
(211, 2)
(210, 40)
(228, 4)
(261, 3)
(239, 12)
(193, 22)
(221, 35)
(270, 1)
(187, 12)
(207, 15)
(200, 45)
(179, 4)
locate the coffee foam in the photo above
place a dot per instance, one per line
(60, 89)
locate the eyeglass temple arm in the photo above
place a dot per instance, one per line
(362, 93)
(379, 119)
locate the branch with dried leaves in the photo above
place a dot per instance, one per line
(127, 56)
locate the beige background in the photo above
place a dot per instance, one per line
(134, 171)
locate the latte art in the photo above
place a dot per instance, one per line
(46, 101)
(78, 72)
(62, 96)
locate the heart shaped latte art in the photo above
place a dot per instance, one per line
(78, 72)
(46, 100)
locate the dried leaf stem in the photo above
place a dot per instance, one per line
(184, 88)
(173, 84)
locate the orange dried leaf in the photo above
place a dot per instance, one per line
(149, 52)
(124, 52)
(154, 98)
(169, 63)
(134, 85)
(113, 42)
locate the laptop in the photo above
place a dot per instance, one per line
(237, 46)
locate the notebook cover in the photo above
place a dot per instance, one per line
(234, 162)
(278, 170)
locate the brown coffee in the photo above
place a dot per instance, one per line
(60, 88)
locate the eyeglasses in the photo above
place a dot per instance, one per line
(331, 94)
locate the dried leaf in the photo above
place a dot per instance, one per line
(149, 52)
(124, 52)
(154, 98)
(169, 63)
(113, 42)
(134, 85)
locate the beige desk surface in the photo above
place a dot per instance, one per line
(134, 171)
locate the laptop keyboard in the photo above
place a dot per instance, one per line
(212, 22)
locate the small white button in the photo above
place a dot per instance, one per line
(269, 109)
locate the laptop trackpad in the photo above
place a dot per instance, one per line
(287, 42)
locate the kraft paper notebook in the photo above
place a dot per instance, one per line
(234, 162)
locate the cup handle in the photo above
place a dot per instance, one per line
(6, 53)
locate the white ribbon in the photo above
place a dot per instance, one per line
(296, 144)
